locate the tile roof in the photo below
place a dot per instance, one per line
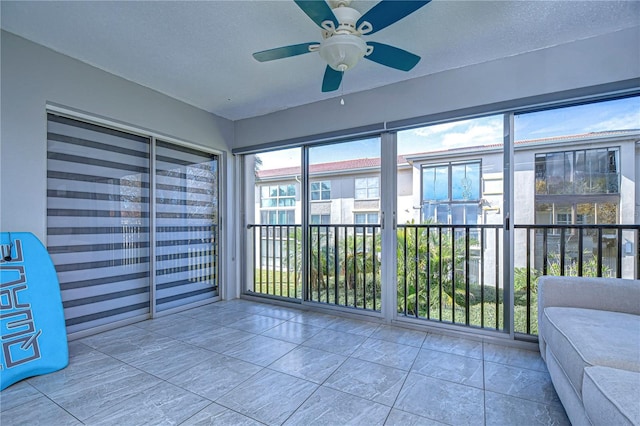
(334, 166)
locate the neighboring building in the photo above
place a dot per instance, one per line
(342, 192)
(578, 179)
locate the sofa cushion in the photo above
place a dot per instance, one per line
(611, 396)
(580, 338)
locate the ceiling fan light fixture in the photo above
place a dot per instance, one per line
(342, 51)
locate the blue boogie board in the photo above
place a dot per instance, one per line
(33, 335)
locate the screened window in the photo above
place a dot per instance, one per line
(561, 213)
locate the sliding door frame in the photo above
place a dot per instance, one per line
(388, 221)
(154, 136)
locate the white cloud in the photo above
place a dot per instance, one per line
(279, 159)
(474, 132)
(630, 120)
(474, 135)
(439, 128)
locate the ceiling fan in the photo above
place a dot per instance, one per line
(342, 45)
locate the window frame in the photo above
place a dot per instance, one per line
(610, 152)
(449, 202)
(367, 188)
(278, 197)
(320, 191)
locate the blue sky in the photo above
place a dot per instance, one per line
(611, 115)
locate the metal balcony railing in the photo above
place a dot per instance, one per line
(277, 260)
(569, 250)
(445, 273)
(344, 265)
(451, 273)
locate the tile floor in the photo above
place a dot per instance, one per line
(247, 363)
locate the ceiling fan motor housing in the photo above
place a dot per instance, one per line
(347, 18)
(342, 51)
(343, 47)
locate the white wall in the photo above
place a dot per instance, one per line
(609, 58)
(34, 76)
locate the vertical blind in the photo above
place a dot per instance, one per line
(186, 223)
(98, 221)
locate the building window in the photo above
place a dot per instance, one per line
(563, 218)
(369, 218)
(451, 193)
(366, 218)
(578, 187)
(320, 219)
(598, 212)
(585, 171)
(278, 196)
(278, 217)
(367, 188)
(320, 190)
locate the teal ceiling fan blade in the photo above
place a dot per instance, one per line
(331, 80)
(283, 52)
(388, 12)
(392, 56)
(318, 10)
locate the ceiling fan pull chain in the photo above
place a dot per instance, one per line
(342, 89)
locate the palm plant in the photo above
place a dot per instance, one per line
(431, 272)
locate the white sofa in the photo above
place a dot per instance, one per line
(589, 335)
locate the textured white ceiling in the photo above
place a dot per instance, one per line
(200, 51)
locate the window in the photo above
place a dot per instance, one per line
(577, 187)
(563, 218)
(366, 218)
(320, 190)
(367, 188)
(278, 196)
(451, 193)
(277, 217)
(601, 213)
(320, 219)
(585, 171)
(273, 199)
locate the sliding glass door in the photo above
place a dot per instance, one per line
(126, 241)
(450, 223)
(314, 231)
(98, 221)
(477, 210)
(576, 210)
(344, 231)
(273, 211)
(186, 225)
